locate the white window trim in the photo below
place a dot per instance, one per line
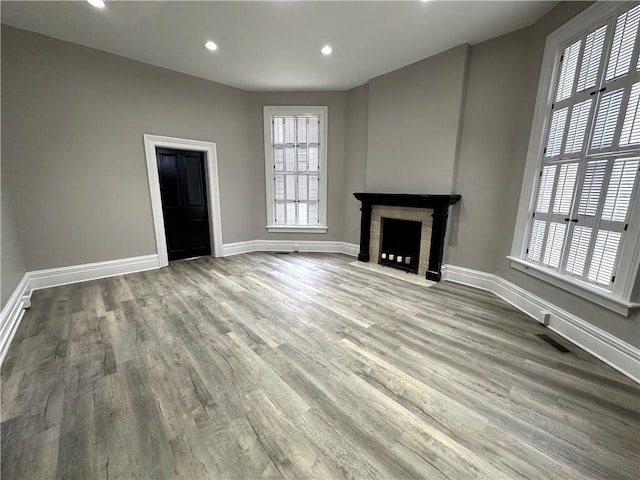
(322, 112)
(619, 298)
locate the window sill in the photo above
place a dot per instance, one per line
(594, 294)
(295, 229)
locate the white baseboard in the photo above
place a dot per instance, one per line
(13, 311)
(55, 277)
(615, 352)
(290, 246)
(12, 314)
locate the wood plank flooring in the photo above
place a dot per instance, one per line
(302, 366)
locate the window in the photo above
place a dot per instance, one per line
(576, 222)
(295, 169)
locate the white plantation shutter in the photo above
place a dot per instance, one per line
(568, 71)
(577, 127)
(591, 59)
(578, 250)
(296, 153)
(623, 43)
(556, 132)
(631, 127)
(589, 174)
(606, 120)
(620, 191)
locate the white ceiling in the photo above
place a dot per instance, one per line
(275, 45)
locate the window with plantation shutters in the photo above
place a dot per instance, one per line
(585, 195)
(295, 161)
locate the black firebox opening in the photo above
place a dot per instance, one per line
(400, 244)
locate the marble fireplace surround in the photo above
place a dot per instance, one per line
(431, 210)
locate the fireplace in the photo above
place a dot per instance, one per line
(400, 244)
(430, 210)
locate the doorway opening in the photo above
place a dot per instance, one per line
(210, 190)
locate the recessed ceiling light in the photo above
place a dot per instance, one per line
(326, 50)
(97, 3)
(211, 46)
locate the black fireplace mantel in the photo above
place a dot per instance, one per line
(438, 203)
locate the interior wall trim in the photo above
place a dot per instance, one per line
(13, 311)
(55, 277)
(309, 246)
(12, 314)
(611, 350)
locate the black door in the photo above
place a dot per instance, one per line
(184, 202)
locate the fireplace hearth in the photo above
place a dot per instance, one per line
(431, 210)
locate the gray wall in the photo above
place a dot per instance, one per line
(73, 120)
(487, 147)
(11, 262)
(356, 152)
(414, 121)
(336, 160)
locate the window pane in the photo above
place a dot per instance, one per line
(313, 187)
(631, 127)
(591, 59)
(578, 250)
(537, 237)
(302, 214)
(291, 187)
(291, 213)
(545, 191)
(592, 187)
(313, 159)
(313, 213)
(290, 159)
(604, 256)
(278, 157)
(313, 129)
(564, 189)
(278, 130)
(577, 127)
(568, 71)
(606, 120)
(555, 242)
(302, 159)
(289, 130)
(556, 132)
(280, 217)
(620, 190)
(302, 187)
(624, 40)
(302, 130)
(279, 190)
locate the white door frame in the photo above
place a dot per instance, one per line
(151, 142)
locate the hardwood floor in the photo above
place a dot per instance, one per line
(267, 365)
